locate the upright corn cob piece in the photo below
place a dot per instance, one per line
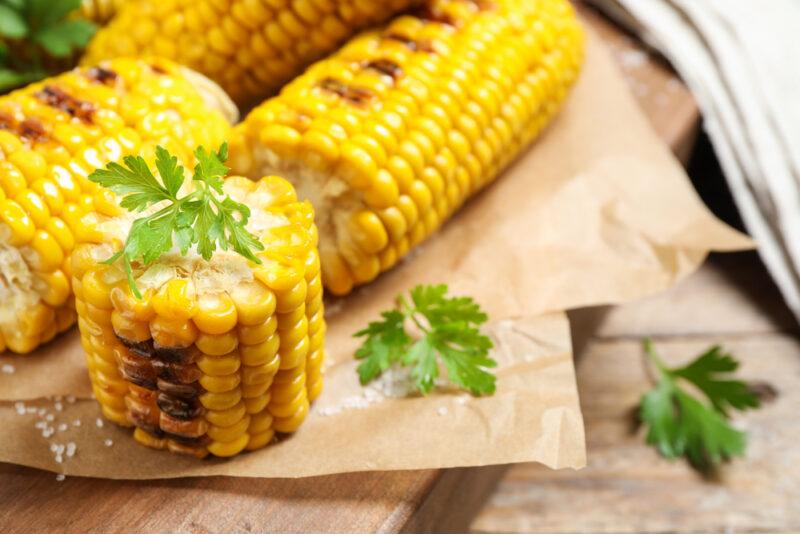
(391, 135)
(250, 47)
(52, 135)
(218, 355)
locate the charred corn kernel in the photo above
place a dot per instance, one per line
(212, 359)
(100, 10)
(236, 41)
(53, 134)
(427, 111)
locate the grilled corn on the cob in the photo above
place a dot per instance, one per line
(391, 135)
(219, 355)
(52, 135)
(249, 47)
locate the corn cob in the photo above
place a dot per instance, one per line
(250, 47)
(100, 11)
(52, 135)
(218, 355)
(392, 134)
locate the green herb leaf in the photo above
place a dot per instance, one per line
(35, 32)
(198, 219)
(12, 23)
(679, 424)
(10, 79)
(44, 13)
(448, 333)
(62, 38)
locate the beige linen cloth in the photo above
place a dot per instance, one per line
(741, 59)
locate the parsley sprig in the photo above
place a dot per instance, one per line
(202, 218)
(681, 424)
(448, 330)
(32, 31)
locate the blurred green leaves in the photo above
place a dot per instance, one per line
(34, 35)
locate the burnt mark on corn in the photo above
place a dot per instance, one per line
(354, 95)
(57, 98)
(431, 14)
(32, 130)
(411, 44)
(173, 354)
(183, 391)
(182, 409)
(6, 121)
(385, 66)
(102, 75)
(158, 69)
(139, 348)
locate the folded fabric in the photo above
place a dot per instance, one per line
(739, 58)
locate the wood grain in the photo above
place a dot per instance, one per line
(627, 487)
(412, 501)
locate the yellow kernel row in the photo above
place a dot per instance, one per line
(250, 47)
(402, 125)
(207, 361)
(53, 134)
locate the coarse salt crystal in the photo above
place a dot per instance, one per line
(58, 406)
(76, 422)
(53, 447)
(20, 408)
(62, 427)
(49, 418)
(60, 478)
(108, 442)
(99, 423)
(59, 459)
(8, 369)
(71, 448)
(442, 410)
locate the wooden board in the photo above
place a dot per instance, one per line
(627, 487)
(414, 501)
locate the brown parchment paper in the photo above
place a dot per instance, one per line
(597, 212)
(534, 416)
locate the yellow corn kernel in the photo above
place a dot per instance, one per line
(175, 300)
(216, 313)
(423, 114)
(173, 333)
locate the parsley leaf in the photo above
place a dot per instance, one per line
(199, 218)
(448, 332)
(33, 33)
(681, 424)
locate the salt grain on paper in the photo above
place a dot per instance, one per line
(442, 410)
(62, 427)
(8, 369)
(99, 423)
(60, 478)
(108, 442)
(71, 448)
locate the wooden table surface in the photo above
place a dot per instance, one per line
(433, 500)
